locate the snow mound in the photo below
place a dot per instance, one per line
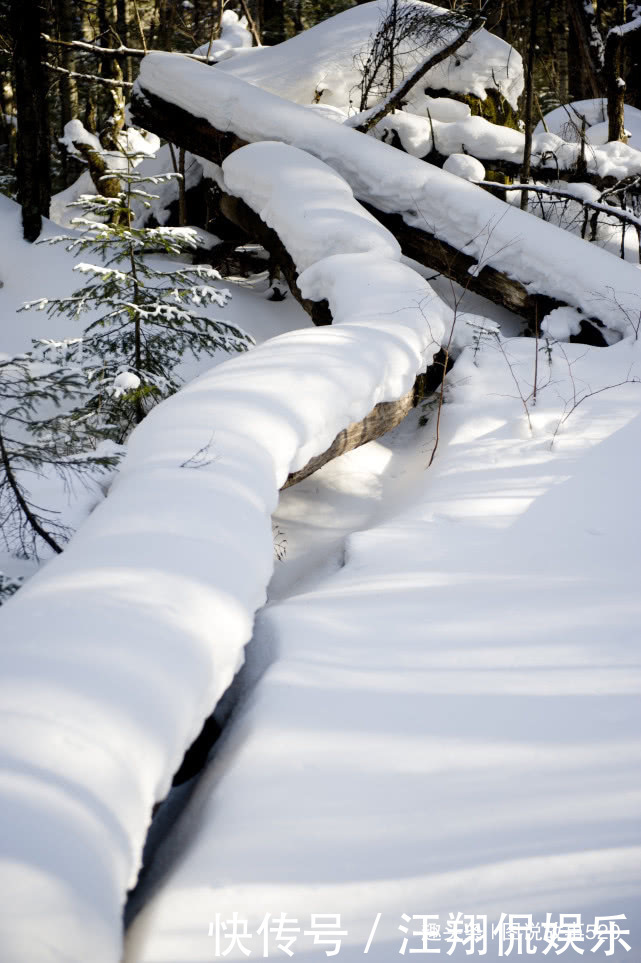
(234, 36)
(326, 60)
(561, 323)
(465, 166)
(566, 121)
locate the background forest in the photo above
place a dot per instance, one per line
(55, 51)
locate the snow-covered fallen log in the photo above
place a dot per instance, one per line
(501, 148)
(115, 653)
(469, 234)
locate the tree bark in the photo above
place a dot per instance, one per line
(33, 172)
(615, 86)
(587, 35)
(529, 101)
(67, 59)
(382, 418)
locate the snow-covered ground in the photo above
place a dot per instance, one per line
(451, 720)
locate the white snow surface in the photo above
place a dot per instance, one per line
(234, 36)
(538, 254)
(465, 166)
(561, 323)
(114, 654)
(566, 121)
(451, 721)
(486, 141)
(327, 58)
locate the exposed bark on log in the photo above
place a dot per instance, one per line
(198, 136)
(385, 415)
(380, 420)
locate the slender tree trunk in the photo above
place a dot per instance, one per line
(67, 59)
(615, 87)
(563, 39)
(529, 101)
(67, 84)
(124, 19)
(613, 70)
(33, 173)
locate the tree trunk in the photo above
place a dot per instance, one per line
(33, 171)
(615, 86)
(67, 59)
(529, 101)
(562, 40)
(123, 8)
(589, 45)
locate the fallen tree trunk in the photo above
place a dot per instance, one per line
(200, 137)
(384, 416)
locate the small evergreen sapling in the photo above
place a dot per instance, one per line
(148, 316)
(33, 445)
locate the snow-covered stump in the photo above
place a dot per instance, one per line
(541, 266)
(112, 656)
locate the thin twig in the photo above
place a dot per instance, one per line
(91, 77)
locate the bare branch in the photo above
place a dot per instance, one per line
(91, 77)
(396, 97)
(120, 51)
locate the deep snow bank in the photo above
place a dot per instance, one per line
(112, 657)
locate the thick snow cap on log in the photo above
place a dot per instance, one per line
(481, 139)
(327, 60)
(115, 653)
(542, 257)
